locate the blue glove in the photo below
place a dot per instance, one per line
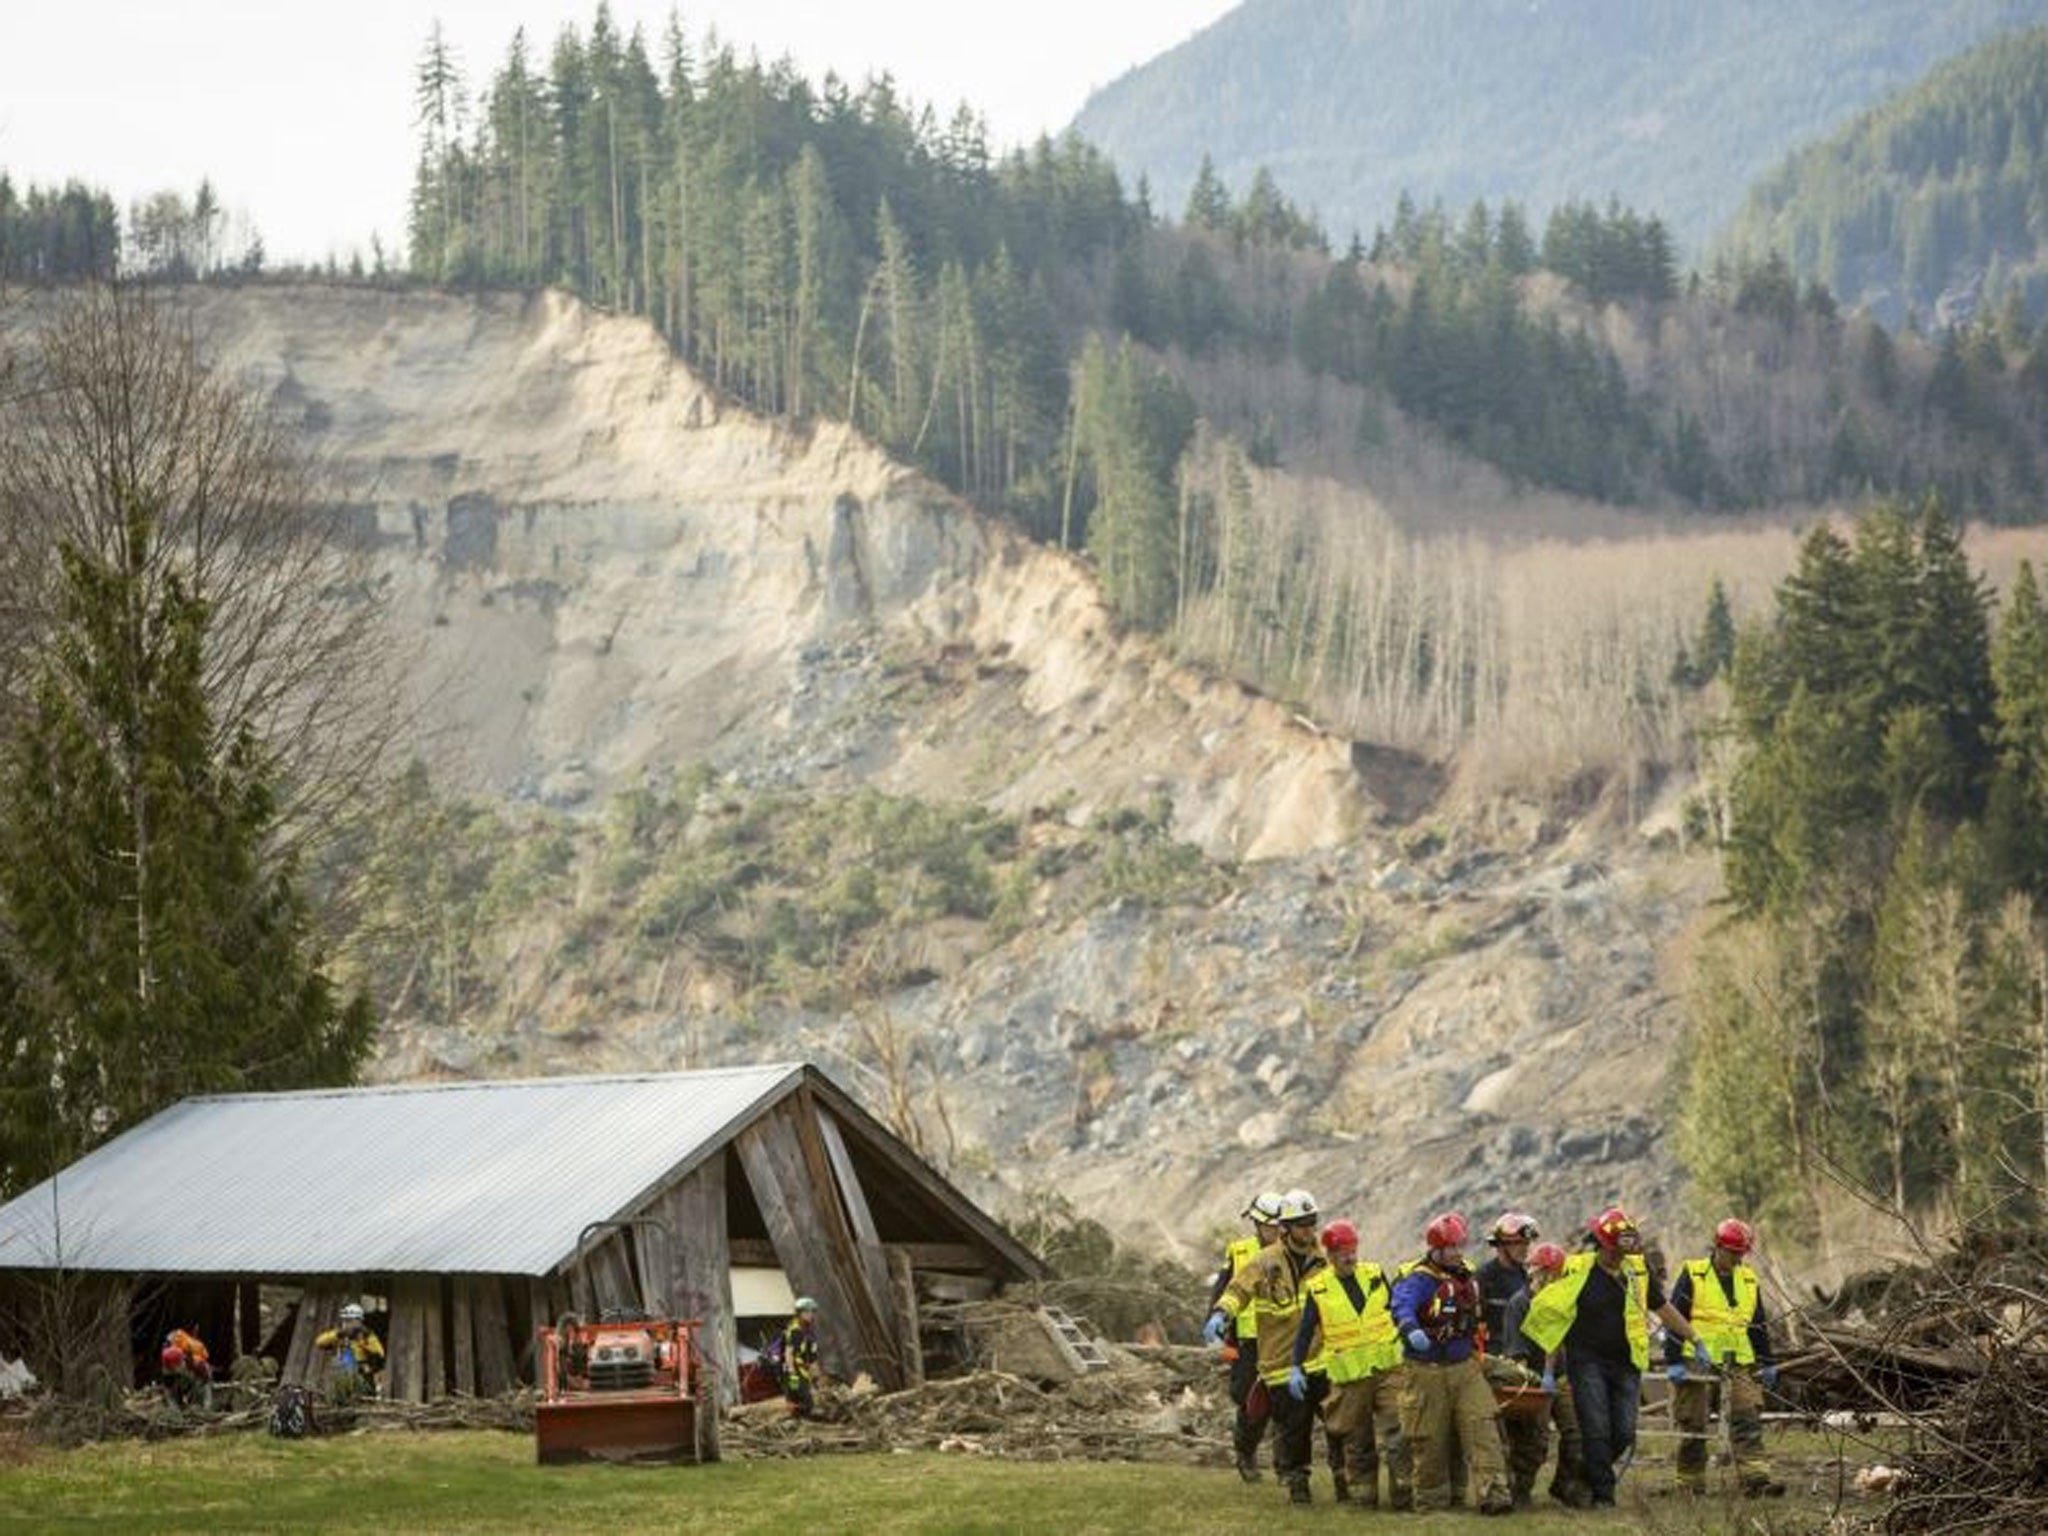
(1212, 1330)
(1675, 1372)
(1549, 1381)
(1297, 1383)
(1768, 1375)
(1418, 1341)
(1699, 1353)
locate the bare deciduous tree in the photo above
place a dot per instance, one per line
(112, 403)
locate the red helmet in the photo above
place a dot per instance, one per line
(1340, 1236)
(1611, 1225)
(1447, 1231)
(173, 1358)
(1546, 1257)
(1735, 1236)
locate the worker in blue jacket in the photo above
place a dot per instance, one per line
(1436, 1307)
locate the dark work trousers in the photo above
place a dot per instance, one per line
(1294, 1422)
(1244, 1372)
(1607, 1396)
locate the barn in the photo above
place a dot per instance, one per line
(464, 1216)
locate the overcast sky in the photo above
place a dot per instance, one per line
(301, 110)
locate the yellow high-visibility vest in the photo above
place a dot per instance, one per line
(1355, 1344)
(1723, 1326)
(1239, 1252)
(1553, 1309)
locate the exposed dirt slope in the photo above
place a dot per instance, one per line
(618, 574)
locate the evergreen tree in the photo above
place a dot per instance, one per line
(1513, 247)
(1209, 201)
(151, 951)
(2017, 817)
(186, 708)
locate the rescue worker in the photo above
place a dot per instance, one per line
(1501, 1276)
(1436, 1310)
(1270, 1287)
(1242, 1349)
(1501, 1279)
(358, 1355)
(1527, 1453)
(1598, 1312)
(1347, 1322)
(1719, 1296)
(187, 1370)
(791, 1358)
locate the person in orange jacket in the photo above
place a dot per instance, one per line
(187, 1370)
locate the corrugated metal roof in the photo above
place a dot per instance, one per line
(489, 1177)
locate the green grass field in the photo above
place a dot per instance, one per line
(397, 1482)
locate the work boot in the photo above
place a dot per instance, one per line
(1298, 1490)
(1497, 1501)
(1248, 1466)
(1343, 1486)
(1365, 1493)
(1401, 1497)
(1571, 1495)
(1761, 1485)
(1523, 1492)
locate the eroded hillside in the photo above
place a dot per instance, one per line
(604, 579)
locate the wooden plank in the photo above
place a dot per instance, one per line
(462, 1323)
(957, 1258)
(961, 1258)
(540, 1312)
(611, 1276)
(903, 1280)
(582, 1293)
(437, 1338)
(867, 1242)
(249, 1318)
(816, 1249)
(874, 1311)
(654, 1261)
(319, 1310)
(695, 1212)
(495, 1372)
(413, 1312)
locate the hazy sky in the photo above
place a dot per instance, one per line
(301, 110)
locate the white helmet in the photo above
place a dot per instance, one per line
(1264, 1209)
(1297, 1205)
(352, 1313)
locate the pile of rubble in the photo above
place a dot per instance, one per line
(1161, 1404)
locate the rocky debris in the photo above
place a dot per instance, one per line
(1161, 1404)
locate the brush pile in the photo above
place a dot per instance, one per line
(1958, 1349)
(1163, 1404)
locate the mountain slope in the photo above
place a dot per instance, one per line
(1672, 106)
(611, 573)
(608, 575)
(1941, 189)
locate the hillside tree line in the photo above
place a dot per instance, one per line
(1878, 1002)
